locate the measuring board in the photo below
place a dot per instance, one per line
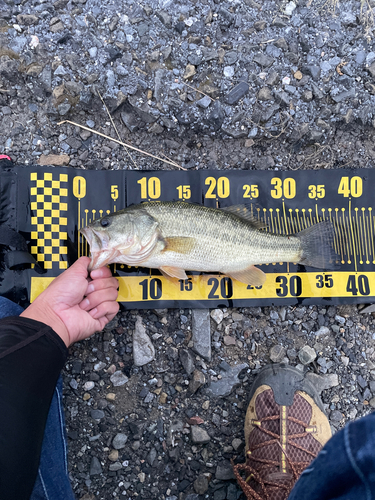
(54, 203)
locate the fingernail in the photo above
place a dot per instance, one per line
(85, 304)
(93, 312)
(90, 288)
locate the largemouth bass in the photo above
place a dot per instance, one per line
(177, 236)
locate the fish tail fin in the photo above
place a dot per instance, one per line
(317, 246)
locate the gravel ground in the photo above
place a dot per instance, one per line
(155, 405)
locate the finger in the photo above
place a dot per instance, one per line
(80, 265)
(105, 309)
(102, 272)
(77, 273)
(101, 284)
(95, 298)
(104, 320)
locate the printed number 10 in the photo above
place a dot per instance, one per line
(150, 188)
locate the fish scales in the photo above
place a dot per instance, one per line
(223, 240)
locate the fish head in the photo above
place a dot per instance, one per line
(127, 237)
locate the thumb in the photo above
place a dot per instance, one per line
(80, 266)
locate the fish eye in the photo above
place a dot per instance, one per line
(105, 222)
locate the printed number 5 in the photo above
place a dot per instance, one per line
(114, 192)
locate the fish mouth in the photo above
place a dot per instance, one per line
(100, 256)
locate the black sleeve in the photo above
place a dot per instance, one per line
(31, 358)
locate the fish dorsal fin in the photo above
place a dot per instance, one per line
(174, 272)
(251, 276)
(247, 212)
(179, 244)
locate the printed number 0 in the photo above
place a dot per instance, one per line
(79, 187)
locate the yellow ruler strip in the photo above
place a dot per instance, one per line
(218, 287)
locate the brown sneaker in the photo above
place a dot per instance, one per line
(285, 428)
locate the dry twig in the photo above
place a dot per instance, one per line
(198, 90)
(114, 126)
(122, 143)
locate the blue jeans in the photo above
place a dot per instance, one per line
(52, 482)
(344, 469)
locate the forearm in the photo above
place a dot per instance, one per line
(31, 358)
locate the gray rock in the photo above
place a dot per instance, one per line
(260, 25)
(306, 355)
(73, 383)
(217, 315)
(231, 57)
(204, 102)
(216, 117)
(277, 353)
(195, 59)
(151, 456)
(307, 96)
(279, 23)
(197, 381)
(143, 349)
(118, 378)
(361, 381)
(60, 71)
(224, 386)
(224, 471)
(317, 92)
(349, 116)
(312, 70)
(282, 98)
(199, 435)
(371, 69)
(343, 96)
(340, 319)
(272, 79)
(323, 330)
(265, 94)
(187, 361)
(360, 57)
(27, 19)
(264, 60)
(264, 163)
(201, 329)
(64, 108)
(93, 51)
(97, 414)
(323, 382)
(115, 466)
(165, 18)
(95, 467)
(289, 8)
(119, 441)
(281, 44)
(239, 91)
(336, 416)
(228, 71)
(201, 484)
(348, 19)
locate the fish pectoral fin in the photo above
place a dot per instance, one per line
(251, 276)
(179, 244)
(174, 272)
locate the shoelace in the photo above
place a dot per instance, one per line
(264, 484)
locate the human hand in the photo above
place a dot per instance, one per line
(74, 305)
